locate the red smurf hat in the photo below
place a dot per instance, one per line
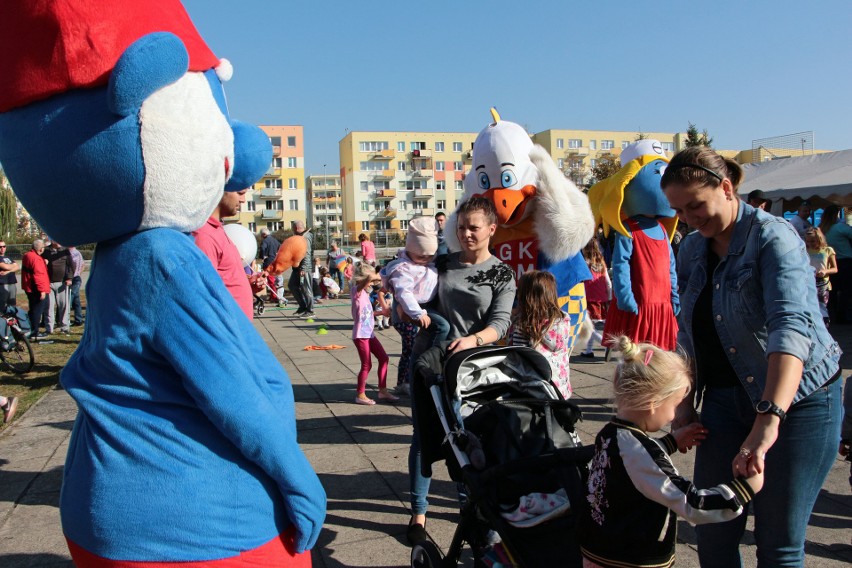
(74, 44)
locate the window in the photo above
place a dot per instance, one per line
(593, 144)
(372, 146)
(274, 226)
(275, 205)
(403, 205)
(276, 162)
(593, 162)
(418, 205)
(439, 166)
(459, 185)
(457, 146)
(458, 166)
(418, 146)
(252, 227)
(439, 146)
(365, 186)
(294, 205)
(624, 144)
(400, 146)
(440, 185)
(400, 166)
(383, 225)
(403, 224)
(409, 185)
(275, 140)
(291, 163)
(365, 225)
(669, 146)
(373, 166)
(273, 183)
(365, 206)
(293, 183)
(575, 143)
(560, 143)
(607, 144)
(251, 206)
(377, 185)
(441, 204)
(291, 141)
(561, 163)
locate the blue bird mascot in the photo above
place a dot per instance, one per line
(644, 284)
(114, 129)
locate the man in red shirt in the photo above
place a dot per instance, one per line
(36, 283)
(214, 242)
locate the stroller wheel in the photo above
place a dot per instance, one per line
(426, 555)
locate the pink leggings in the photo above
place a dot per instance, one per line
(366, 347)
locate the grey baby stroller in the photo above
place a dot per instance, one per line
(508, 440)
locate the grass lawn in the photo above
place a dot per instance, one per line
(51, 355)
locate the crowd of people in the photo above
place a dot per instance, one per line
(754, 383)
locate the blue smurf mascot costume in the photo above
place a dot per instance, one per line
(114, 129)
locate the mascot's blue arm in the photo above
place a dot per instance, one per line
(673, 276)
(621, 287)
(244, 394)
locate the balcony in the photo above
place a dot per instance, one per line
(425, 193)
(387, 154)
(426, 212)
(276, 150)
(385, 193)
(384, 174)
(389, 213)
(271, 214)
(273, 172)
(422, 174)
(421, 154)
(579, 151)
(467, 155)
(270, 192)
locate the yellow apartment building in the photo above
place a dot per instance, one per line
(325, 211)
(576, 152)
(388, 178)
(279, 198)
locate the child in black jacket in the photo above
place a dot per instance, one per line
(635, 492)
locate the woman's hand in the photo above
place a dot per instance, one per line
(462, 343)
(750, 459)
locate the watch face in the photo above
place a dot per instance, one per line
(762, 406)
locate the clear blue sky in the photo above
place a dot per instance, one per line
(742, 70)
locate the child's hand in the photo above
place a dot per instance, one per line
(689, 436)
(424, 321)
(755, 481)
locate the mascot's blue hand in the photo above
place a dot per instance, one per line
(307, 513)
(676, 306)
(629, 305)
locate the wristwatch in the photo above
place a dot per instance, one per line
(769, 407)
(479, 341)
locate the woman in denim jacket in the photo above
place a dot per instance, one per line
(765, 366)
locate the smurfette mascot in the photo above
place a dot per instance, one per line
(644, 284)
(114, 129)
(543, 219)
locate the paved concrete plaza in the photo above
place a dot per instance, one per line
(360, 453)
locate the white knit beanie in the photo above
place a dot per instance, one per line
(422, 236)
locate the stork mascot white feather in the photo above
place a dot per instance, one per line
(543, 219)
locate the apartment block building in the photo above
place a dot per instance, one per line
(325, 209)
(388, 178)
(279, 198)
(576, 152)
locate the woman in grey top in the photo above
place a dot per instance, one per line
(475, 295)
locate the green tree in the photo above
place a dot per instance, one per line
(606, 166)
(8, 216)
(695, 138)
(640, 136)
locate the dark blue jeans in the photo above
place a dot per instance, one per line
(76, 307)
(796, 467)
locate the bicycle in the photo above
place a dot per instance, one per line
(16, 353)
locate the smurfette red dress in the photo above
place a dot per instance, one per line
(651, 283)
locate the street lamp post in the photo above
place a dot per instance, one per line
(325, 190)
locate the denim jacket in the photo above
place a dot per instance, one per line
(764, 301)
